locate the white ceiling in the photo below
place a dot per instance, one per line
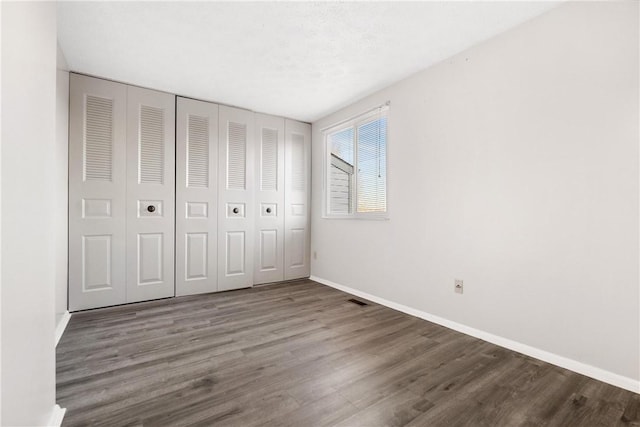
(301, 60)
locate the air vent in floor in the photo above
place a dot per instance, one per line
(358, 302)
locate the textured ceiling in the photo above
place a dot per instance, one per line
(301, 60)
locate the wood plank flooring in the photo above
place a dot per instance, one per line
(300, 354)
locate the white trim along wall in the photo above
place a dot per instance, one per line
(563, 362)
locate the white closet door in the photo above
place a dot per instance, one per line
(97, 117)
(196, 197)
(150, 194)
(236, 216)
(297, 199)
(269, 235)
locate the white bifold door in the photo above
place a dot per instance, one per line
(150, 194)
(121, 193)
(297, 199)
(196, 197)
(97, 193)
(236, 216)
(269, 197)
(221, 194)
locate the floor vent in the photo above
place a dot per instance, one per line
(358, 302)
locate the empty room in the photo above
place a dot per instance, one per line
(320, 213)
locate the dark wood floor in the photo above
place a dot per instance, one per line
(300, 354)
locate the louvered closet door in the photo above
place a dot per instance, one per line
(297, 199)
(196, 197)
(236, 216)
(269, 235)
(150, 194)
(97, 116)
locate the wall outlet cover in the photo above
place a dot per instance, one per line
(458, 286)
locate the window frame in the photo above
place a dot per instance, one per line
(354, 122)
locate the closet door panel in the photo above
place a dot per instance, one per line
(269, 236)
(150, 194)
(236, 216)
(297, 199)
(196, 197)
(97, 162)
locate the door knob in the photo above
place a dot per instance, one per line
(151, 208)
(236, 210)
(268, 210)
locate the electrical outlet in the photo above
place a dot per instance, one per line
(458, 286)
(315, 255)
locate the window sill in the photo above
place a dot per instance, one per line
(359, 217)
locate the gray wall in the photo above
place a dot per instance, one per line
(28, 189)
(512, 166)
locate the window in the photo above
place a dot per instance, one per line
(356, 166)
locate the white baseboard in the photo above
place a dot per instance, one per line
(62, 325)
(57, 416)
(561, 361)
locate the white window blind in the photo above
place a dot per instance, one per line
(356, 167)
(372, 166)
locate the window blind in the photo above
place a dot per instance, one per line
(372, 167)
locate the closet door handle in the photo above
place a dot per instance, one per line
(268, 210)
(236, 210)
(151, 208)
